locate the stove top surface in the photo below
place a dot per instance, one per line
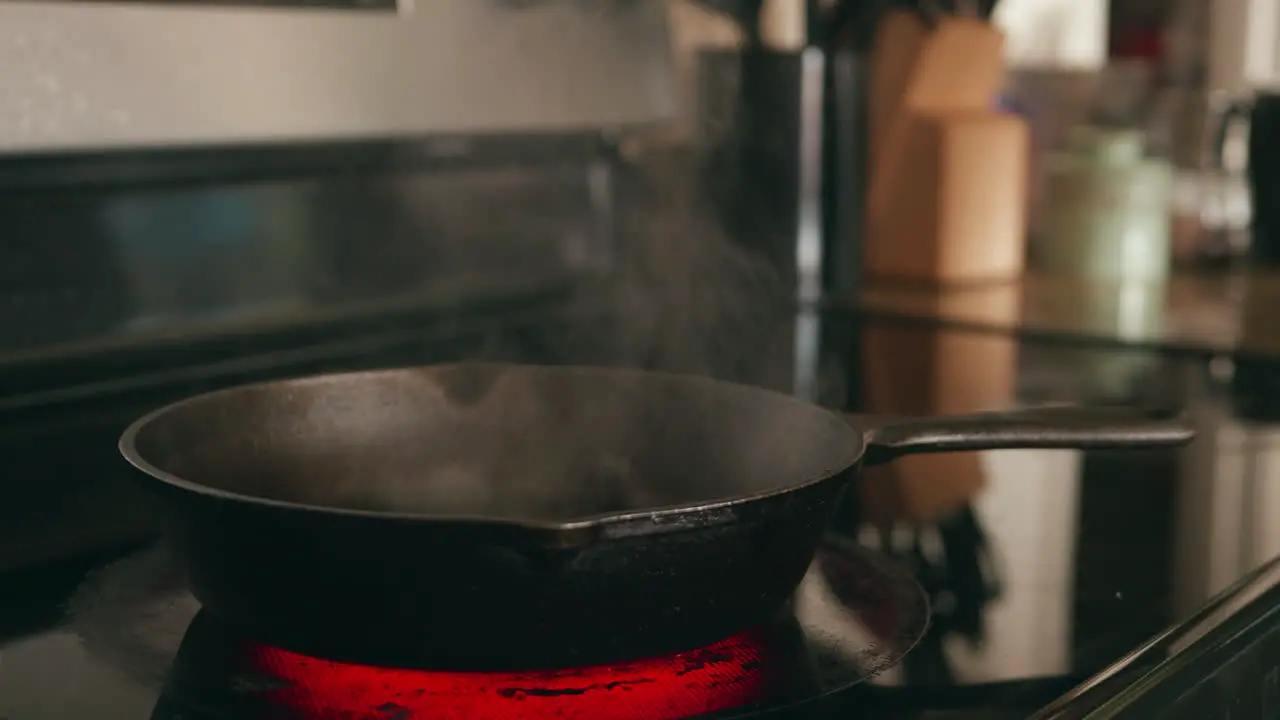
(1062, 564)
(131, 635)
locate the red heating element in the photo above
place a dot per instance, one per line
(734, 673)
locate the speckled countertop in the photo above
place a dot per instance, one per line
(1228, 312)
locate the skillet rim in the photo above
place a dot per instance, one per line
(567, 532)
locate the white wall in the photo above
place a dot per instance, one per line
(103, 75)
(1243, 48)
(1054, 34)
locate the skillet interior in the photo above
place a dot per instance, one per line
(505, 442)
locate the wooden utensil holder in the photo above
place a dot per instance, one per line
(957, 212)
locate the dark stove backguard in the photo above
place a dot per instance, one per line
(127, 278)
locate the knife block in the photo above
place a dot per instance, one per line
(958, 208)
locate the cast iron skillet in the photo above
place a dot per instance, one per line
(498, 515)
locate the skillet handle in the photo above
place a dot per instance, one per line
(1047, 427)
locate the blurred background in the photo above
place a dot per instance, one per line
(882, 206)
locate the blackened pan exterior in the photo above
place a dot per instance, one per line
(715, 555)
(461, 595)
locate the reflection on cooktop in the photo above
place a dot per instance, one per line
(855, 615)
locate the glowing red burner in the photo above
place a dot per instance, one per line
(732, 673)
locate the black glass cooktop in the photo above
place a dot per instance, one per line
(133, 621)
(1057, 567)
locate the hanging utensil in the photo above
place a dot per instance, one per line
(815, 22)
(932, 10)
(783, 25)
(846, 25)
(746, 13)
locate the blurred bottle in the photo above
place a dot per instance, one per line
(1107, 212)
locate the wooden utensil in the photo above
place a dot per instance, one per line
(783, 25)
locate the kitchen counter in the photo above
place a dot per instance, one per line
(1228, 313)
